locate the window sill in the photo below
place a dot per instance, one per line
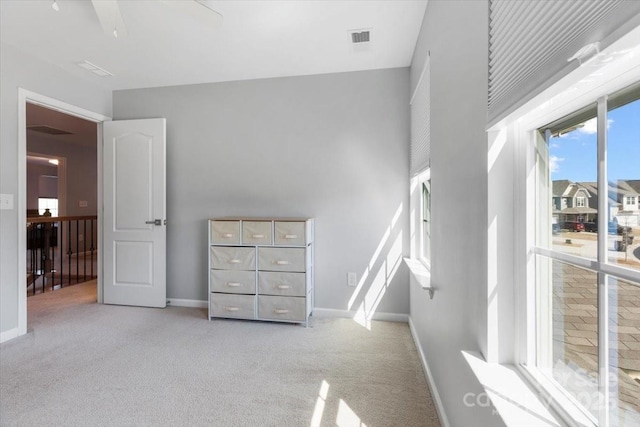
(421, 273)
(511, 395)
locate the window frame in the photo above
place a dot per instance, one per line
(533, 351)
(417, 207)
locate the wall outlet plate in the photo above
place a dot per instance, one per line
(352, 279)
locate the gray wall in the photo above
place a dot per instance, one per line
(34, 189)
(82, 170)
(21, 71)
(333, 147)
(456, 34)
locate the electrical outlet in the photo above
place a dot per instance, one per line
(352, 279)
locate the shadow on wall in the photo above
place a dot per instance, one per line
(379, 273)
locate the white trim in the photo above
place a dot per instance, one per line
(558, 400)
(421, 273)
(25, 96)
(349, 314)
(424, 69)
(442, 415)
(193, 303)
(590, 264)
(9, 335)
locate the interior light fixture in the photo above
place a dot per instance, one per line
(55, 6)
(53, 161)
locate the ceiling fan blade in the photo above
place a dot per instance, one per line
(110, 18)
(199, 10)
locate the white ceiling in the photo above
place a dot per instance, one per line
(257, 39)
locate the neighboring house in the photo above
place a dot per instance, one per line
(627, 195)
(578, 201)
(574, 201)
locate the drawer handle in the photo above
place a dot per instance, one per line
(227, 235)
(280, 311)
(258, 236)
(284, 287)
(234, 261)
(234, 284)
(280, 262)
(232, 308)
(290, 236)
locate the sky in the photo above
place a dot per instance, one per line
(573, 156)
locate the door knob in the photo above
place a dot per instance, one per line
(154, 222)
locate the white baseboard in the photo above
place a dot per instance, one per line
(9, 335)
(442, 415)
(193, 303)
(332, 312)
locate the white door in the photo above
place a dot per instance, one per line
(134, 215)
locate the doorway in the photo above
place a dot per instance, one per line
(63, 132)
(62, 187)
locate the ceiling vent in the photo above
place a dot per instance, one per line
(48, 130)
(94, 69)
(360, 36)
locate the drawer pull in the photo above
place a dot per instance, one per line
(232, 308)
(227, 235)
(281, 262)
(234, 261)
(290, 236)
(280, 311)
(234, 284)
(258, 236)
(284, 287)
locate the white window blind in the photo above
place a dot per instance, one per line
(421, 124)
(530, 42)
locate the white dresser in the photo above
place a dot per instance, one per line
(261, 269)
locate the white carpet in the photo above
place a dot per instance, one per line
(88, 364)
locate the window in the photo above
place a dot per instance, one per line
(48, 203)
(631, 200)
(585, 284)
(426, 221)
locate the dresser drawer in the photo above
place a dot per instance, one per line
(281, 308)
(233, 282)
(236, 306)
(256, 232)
(290, 233)
(233, 258)
(225, 232)
(281, 259)
(276, 283)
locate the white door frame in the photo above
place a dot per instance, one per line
(25, 96)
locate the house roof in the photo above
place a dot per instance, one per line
(560, 186)
(616, 190)
(634, 184)
(624, 188)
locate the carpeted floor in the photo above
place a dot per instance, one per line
(84, 364)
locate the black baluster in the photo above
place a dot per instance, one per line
(77, 250)
(84, 250)
(69, 251)
(92, 248)
(53, 258)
